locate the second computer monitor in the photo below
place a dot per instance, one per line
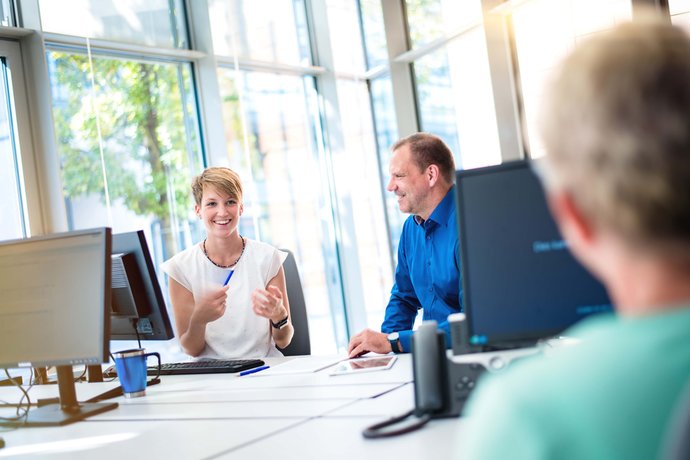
(520, 282)
(138, 306)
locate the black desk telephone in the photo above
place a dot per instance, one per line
(432, 396)
(431, 391)
(442, 382)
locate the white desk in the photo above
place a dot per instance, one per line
(300, 416)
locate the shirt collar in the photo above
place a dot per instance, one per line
(442, 211)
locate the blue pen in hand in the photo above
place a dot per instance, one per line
(227, 280)
(252, 371)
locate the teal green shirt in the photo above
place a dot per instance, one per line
(608, 397)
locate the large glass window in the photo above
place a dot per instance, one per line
(355, 163)
(11, 208)
(545, 31)
(430, 20)
(435, 98)
(271, 131)
(266, 30)
(471, 94)
(358, 168)
(432, 77)
(383, 113)
(381, 93)
(128, 144)
(374, 32)
(143, 22)
(455, 97)
(345, 37)
(423, 21)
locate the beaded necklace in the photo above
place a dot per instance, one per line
(203, 245)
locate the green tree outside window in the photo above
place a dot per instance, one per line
(145, 126)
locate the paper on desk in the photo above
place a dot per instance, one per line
(301, 365)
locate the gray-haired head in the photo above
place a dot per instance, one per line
(616, 126)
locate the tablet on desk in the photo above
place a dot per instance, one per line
(357, 365)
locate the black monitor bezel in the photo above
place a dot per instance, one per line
(529, 337)
(135, 242)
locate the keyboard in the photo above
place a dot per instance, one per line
(209, 366)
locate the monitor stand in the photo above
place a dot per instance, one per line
(94, 373)
(67, 411)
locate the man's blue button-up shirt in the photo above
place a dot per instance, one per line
(428, 272)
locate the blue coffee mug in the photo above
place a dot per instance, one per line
(131, 370)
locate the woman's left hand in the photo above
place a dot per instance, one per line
(269, 303)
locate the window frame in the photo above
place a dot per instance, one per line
(13, 44)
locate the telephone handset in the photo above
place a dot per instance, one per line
(431, 393)
(443, 383)
(430, 368)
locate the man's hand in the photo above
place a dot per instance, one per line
(368, 340)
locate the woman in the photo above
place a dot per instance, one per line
(228, 292)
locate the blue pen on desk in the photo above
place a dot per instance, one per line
(252, 371)
(227, 280)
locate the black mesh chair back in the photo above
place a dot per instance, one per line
(300, 344)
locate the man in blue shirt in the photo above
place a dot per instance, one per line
(428, 273)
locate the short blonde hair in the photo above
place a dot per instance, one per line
(616, 127)
(224, 179)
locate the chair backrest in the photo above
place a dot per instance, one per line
(300, 345)
(676, 443)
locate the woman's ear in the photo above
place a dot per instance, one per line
(197, 210)
(241, 208)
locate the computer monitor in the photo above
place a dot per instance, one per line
(521, 284)
(54, 311)
(138, 308)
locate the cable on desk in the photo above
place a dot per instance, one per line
(377, 430)
(82, 375)
(39, 403)
(22, 408)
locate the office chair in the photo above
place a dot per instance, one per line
(300, 344)
(676, 442)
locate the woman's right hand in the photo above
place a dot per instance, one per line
(211, 306)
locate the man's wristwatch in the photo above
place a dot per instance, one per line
(394, 340)
(280, 324)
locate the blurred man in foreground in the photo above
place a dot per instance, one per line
(616, 126)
